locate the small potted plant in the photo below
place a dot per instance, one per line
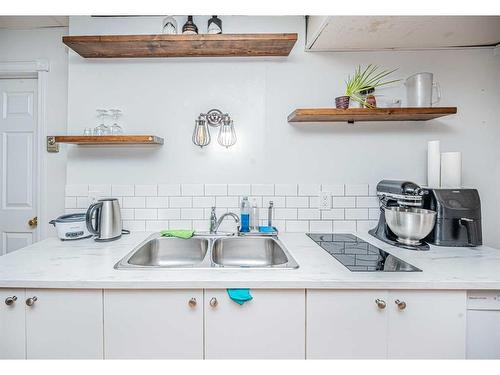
(362, 83)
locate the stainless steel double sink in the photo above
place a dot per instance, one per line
(208, 251)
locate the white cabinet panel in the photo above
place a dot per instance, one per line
(271, 326)
(15, 241)
(17, 170)
(346, 324)
(431, 326)
(155, 324)
(12, 331)
(64, 324)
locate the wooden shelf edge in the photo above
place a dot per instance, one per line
(200, 45)
(365, 114)
(109, 139)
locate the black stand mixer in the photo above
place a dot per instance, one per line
(403, 201)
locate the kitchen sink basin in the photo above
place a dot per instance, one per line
(167, 252)
(207, 251)
(251, 252)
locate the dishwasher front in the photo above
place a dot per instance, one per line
(483, 324)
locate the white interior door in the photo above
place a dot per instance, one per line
(17, 163)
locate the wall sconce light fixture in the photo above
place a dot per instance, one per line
(214, 118)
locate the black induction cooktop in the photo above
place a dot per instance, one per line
(358, 255)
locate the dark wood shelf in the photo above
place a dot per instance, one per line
(201, 45)
(352, 115)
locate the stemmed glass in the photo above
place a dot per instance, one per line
(115, 128)
(102, 128)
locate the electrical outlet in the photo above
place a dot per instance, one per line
(325, 200)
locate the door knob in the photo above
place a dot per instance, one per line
(31, 301)
(10, 300)
(213, 302)
(401, 304)
(192, 302)
(380, 303)
(33, 222)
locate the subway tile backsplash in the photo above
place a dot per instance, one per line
(155, 207)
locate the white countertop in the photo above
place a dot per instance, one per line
(88, 264)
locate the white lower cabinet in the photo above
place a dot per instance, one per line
(385, 324)
(431, 326)
(12, 324)
(346, 324)
(272, 325)
(154, 324)
(63, 324)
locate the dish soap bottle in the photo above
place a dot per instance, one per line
(245, 215)
(254, 217)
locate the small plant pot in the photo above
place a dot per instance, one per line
(342, 102)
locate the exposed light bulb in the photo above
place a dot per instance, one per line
(227, 135)
(201, 134)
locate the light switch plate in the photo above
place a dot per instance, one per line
(325, 200)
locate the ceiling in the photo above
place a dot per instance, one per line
(32, 22)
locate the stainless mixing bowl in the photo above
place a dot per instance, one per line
(410, 224)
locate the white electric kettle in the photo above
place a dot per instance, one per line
(419, 90)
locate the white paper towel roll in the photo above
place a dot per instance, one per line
(451, 170)
(433, 164)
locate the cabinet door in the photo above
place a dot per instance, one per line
(272, 325)
(64, 324)
(346, 324)
(432, 324)
(153, 324)
(12, 327)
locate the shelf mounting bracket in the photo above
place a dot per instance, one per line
(52, 145)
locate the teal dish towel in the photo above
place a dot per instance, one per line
(240, 296)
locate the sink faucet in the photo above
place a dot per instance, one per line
(214, 223)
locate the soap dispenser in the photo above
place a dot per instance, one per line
(245, 215)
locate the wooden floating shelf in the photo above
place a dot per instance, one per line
(102, 140)
(352, 115)
(109, 139)
(201, 45)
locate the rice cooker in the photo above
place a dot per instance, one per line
(71, 227)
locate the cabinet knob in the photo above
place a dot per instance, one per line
(31, 301)
(213, 302)
(10, 300)
(401, 304)
(380, 303)
(192, 302)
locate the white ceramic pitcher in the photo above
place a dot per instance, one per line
(419, 90)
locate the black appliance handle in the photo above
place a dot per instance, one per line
(88, 218)
(472, 238)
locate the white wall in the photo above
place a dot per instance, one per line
(164, 97)
(28, 45)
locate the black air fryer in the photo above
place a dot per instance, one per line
(458, 219)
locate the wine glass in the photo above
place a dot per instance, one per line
(115, 128)
(102, 128)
